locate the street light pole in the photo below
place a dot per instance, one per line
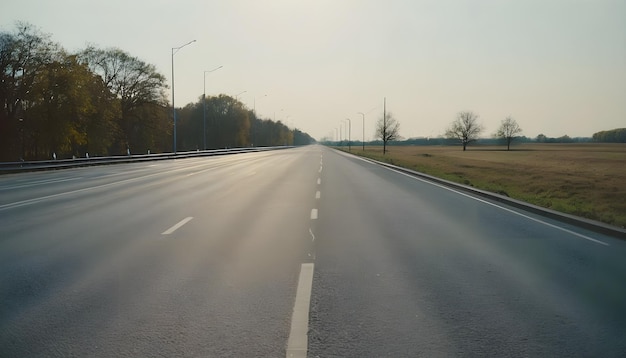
(340, 135)
(204, 104)
(174, 50)
(265, 95)
(363, 114)
(22, 138)
(349, 133)
(384, 125)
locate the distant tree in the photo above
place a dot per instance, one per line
(564, 139)
(617, 135)
(541, 138)
(230, 124)
(301, 138)
(465, 128)
(387, 129)
(509, 130)
(231, 127)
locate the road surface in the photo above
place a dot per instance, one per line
(282, 253)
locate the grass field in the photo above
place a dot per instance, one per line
(586, 179)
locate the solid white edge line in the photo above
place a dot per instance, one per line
(52, 196)
(297, 344)
(177, 226)
(489, 203)
(503, 208)
(35, 183)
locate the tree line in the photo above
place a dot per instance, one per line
(102, 102)
(466, 129)
(617, 135)
(229, 123)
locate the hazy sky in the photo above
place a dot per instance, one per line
(557, 66)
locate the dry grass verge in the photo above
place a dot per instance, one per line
(586, 179)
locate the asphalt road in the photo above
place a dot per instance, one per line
(208, 257)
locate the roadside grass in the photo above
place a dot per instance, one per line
(585, 179)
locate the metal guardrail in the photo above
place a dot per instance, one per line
(13, 167)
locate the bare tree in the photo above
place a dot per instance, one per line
(465, 128)
(387, 128)
(509, 130)
(133, 81)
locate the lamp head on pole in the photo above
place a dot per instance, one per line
(215, 69)
(175, 49)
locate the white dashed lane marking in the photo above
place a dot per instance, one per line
(177, 226)
(298, 335)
